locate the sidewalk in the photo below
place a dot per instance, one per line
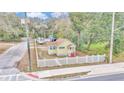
(93, 70)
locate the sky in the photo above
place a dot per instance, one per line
(43, 15)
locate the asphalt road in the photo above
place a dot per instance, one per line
(10, 58)
(113, 77)
(8, 62)
(14, 77)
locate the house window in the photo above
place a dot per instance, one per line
(61, 47)
(52, 47)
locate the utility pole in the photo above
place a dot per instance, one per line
(112, 37)
(28, 43)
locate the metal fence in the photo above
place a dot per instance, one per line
(71, 60)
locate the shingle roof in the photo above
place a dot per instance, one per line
(59, 42)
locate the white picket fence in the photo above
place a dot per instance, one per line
(71, 60)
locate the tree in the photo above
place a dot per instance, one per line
(94, 27)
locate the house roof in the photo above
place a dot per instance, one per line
(59, 42)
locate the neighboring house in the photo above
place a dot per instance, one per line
(62, 47)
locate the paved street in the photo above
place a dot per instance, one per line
(113, 77)
(8, 62)
(15, 77)
(10, 58)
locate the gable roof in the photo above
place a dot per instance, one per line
(60, 41)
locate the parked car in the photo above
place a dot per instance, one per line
(40, 40)
(52, 39)
(44, 40)
(47, 40)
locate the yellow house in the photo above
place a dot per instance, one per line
(62, 47)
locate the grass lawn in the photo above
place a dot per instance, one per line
(100, 48)
(98, 45)
(97, 48)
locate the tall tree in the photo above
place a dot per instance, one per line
(92, 26)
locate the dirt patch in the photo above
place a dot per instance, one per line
(5, 45)
(3, 48)
(24, 63)
(78, 53)
(119, 57)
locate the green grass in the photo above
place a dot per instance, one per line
(99, 45)
(97, 48)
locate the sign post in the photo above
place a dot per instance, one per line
(28, 42)
(23, 16)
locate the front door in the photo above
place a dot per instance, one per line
(71, 51)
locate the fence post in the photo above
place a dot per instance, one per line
(86, 58)
(104, 57)
(38, 63)
(36, 52)
(98, 58)
(57, 62)
(77, 59)
(92, 58)
(66, 60)
(44, 62)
